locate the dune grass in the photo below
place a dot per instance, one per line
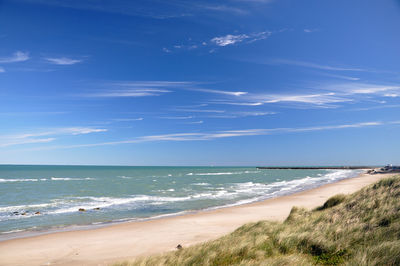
(358, 229)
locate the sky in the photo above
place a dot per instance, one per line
(213, 83)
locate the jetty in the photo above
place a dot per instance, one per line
(316, 167)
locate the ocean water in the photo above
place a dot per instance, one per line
(115, 193)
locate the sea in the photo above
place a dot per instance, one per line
(44, 198)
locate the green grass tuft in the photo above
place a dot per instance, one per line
(331, 202)
(359, 229)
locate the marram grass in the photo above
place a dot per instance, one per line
(358, 229)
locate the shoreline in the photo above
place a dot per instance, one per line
(129, 239)
(32, 232)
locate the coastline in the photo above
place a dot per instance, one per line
(127, 240)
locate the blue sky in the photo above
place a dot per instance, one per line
(235, 82)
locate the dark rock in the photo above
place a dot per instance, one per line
(82, 210)
(24, 213)
(179, 246)
(37, 213)
(96, 209)
(16, 213)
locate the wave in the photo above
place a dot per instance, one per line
(2, 180)
(225, 173)
(201, 184)
(125, 177)
(71, 178)
(230, 194)
(5, 180)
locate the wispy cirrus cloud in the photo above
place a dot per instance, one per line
(2, 70)
(231, 115)
(127, 93)
(324, 95)
(232, 93)
(151, 8)
(63, 61)
(226, 102)
(311, 65)
(310, 30)
(45, 136)
(136, 89)
(195, 122)
(356, 88)
(222, 41)
(225, 8)
(18, 56)
(231, 39)
(153, 88)
(340, 76)
(128, 119)
(318, 99)
(176, 117)
(199, 110)
(207, 136)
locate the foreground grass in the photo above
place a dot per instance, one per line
(359, 229)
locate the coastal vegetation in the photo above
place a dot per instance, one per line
(358, 229)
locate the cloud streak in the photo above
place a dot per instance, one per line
(312, 65)
(207, 136)
(233, 39)
(37, 137)
(63, 61)
(16, 57)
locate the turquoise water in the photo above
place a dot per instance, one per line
(126, 193)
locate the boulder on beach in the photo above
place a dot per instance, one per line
(82, 209)
(179, 246)
(37, 213)
(96, 209)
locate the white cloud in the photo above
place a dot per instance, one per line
(237, 103)
(128, 119)
(362, 88)
(25, 141)
(2, 70)
(229, 39)
(314, 99)
(176, 117)
(195, 122)
(200, 110)
(224, 8)
(392, 95)
(232, 39)
(63, 61)
(16, 57)
(152, 84)
(233, 93)
(137, 89)
(124, 93)
(243, 114)
(82, 130)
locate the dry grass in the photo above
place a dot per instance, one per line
(359, 229)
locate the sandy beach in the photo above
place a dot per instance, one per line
(118, 242)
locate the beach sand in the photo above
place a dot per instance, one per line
(118, 242)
